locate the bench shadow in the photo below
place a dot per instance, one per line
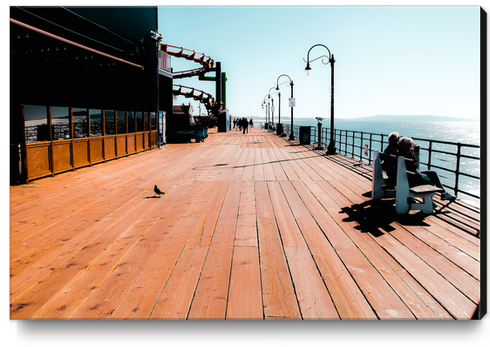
(377, 216)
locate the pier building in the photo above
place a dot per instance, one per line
(87, 85)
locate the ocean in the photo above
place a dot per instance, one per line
(463, 132)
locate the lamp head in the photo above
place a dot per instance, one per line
(308, 69)
(278, 91)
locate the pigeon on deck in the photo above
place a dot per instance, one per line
(158, 191)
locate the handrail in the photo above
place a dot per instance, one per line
(456, 156)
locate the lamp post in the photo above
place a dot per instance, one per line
(279, 128)
(264, 105)
(331, 146)
(272, 108)
(266, 102)
(291, 137)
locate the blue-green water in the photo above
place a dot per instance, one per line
(464, 132)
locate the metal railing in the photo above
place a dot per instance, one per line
(457, 164)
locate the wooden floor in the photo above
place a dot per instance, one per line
(250, 227)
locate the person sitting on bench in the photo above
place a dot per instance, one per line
(392, 148)
(421, 177)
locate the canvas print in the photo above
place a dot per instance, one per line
(247, 163)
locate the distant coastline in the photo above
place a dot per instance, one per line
(384, 118)
(411, 118)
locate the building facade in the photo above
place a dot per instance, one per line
(87, 85)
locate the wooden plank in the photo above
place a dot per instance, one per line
(313, 297)
(140, 299)
(290, 234)
(258, 165)
(210, 299)
(346, 295)
(89, 280)
(125, 238)
(276, 165)
(445, 293)
(245, 295)
(414, 296)
(246, 232)
(459, 258)
(175, 299)
(305, 158)
(211, 295)
(295, 162)
(279, 298)
(99, 235)
(204, 229)
(467, 284)
(269, 174)
(285, 164)
(248, 170)
(239, 167)
(454, 302)
(380, 295)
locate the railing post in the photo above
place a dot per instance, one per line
(429, 156)
(360, 149)
(458, 161)
(370, 149)
(352, 148)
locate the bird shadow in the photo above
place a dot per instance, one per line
(151, 197)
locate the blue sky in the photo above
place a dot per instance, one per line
(396, 60)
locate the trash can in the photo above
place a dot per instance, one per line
(304, 135)
(279, 129)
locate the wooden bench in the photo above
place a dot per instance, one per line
(400, 188)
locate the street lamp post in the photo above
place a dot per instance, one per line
(266, 102)
(331, 147)
(279, 124)
(264, 106)
(291, 136)
(272, 101)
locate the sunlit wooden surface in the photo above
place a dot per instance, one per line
(250, 227)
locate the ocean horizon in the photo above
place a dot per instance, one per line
(462, 131)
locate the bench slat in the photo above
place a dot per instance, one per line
(426, 188)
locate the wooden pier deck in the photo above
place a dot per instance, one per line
(250, 227)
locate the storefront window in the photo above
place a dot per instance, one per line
(60, 120)
(140, 121)
(153, 121)
(121, 122)
(147, 121)
(80, 122)
(95, 123)
(110, 128)
(131, 122)
(36, 123)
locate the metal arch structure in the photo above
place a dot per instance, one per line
(208, 64)
(206, 61)
(205, 98)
